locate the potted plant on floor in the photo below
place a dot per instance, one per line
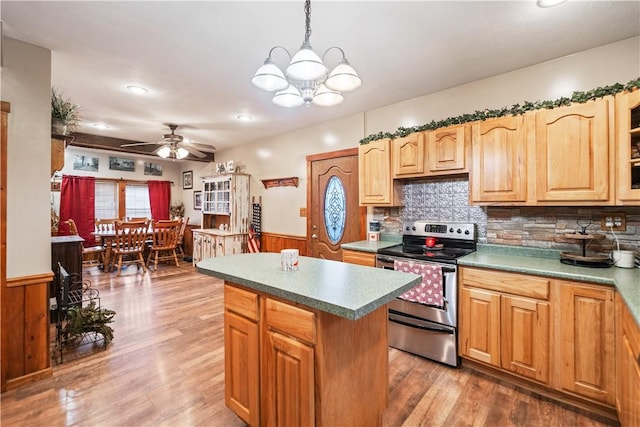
(65, 115)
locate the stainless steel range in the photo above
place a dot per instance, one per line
(424, 320)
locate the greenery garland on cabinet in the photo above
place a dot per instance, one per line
(514, 110)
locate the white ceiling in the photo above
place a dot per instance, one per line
(196, 58)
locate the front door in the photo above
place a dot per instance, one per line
(335, 216)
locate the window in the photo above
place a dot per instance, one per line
(334, 209)
(106, 199)
(137, 201)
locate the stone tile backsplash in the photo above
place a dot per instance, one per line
(447, 199)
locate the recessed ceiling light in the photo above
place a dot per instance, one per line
(138, 90)
(100, 125)
(549, 3)
(244, 117)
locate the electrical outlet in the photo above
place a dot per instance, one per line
(616, 221)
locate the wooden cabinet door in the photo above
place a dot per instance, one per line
(525, 337)
(628, 366)
(374, 168)
(499, 161)
(242, 367)
(480, 325)
(572, 153)
(447, 150)
(288, 376)
(408, 156)
(628, 148)
(586, 322)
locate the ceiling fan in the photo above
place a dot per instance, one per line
(173, 146)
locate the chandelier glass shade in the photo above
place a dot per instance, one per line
(172, 152)
(307, 80)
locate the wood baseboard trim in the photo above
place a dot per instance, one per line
(29, 378)
(561, 397)
(36, 279)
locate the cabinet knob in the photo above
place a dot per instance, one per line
(314, 236)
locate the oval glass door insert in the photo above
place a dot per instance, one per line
(335, 203)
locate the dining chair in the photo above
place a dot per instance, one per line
(137, 218)
(130, 237)
(180, 243)
(93, 255)
(105, 225)
(165, 239)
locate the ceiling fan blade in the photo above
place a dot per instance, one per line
(139, 143)
(202, 147)
(194, 152)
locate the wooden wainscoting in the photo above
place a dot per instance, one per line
(271, 242)
(25, 330)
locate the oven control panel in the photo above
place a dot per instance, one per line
(451, 230)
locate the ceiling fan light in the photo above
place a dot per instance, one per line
(181, 153)
(290, 97)
(306, 65)
(164, 152)
(269, 77)
(343, 78)
(326, 97)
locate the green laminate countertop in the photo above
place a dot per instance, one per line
(346, 290)
(543, 262)
(367, 246)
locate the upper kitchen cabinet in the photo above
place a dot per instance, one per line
(574, 153)
(628, 139)
(376, 182)
(448, 150)
(408, 156)
(499, 161)
(225, 201)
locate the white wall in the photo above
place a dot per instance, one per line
(284, 155)
(281, 157)
(26, 84)
(615, 63)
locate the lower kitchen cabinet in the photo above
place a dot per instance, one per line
(289, 382)
(558, 333)
(290, 365)
(359, 257)
(242, 354)
(501, 324)
(587, 349)
(628, 366)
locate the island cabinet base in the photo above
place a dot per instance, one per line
(287, 364)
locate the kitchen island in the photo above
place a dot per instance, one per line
(307, 347)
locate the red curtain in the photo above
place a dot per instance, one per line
(77, 201)
(160, 199)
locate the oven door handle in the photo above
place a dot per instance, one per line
(394, 319)
(383, 258)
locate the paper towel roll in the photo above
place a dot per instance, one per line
(289, 260)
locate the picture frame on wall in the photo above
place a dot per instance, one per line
(122, 164)
(86, 163)
(197, 200)
(187, 180)
(152, 169)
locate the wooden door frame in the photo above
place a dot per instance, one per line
(6, 109)
(362, 211)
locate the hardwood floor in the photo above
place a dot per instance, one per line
(165, 367)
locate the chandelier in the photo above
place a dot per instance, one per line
(307, 79)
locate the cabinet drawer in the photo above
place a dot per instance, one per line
(511, 283)
(242, 302)
(294, 321)
(358, 257)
